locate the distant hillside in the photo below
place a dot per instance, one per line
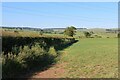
(57, 29)
(61, 29)
(21, 28)
(97, 29)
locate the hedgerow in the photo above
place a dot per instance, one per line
(22, 54)
(8, 43)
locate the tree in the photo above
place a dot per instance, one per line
(118, 35)
(91, 32)
(70, 31)
(87, 34)
(41, 32)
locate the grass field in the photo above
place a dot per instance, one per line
(92, 58)
(87, 58)
(28, 33)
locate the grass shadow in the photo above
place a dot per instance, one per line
(40, 68)
(61, 47)
(39, 64)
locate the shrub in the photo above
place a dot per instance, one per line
(52, 51)
(16, 32)
(11, 44)
(21, 54)
(97, 36)
(10, 66)
(91, 37)
(87, 34)
(16, 49)
(29, 58)
(118, 35)
(41, 32)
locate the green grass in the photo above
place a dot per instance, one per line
(89, 57)
(28, 33)
(20, 33)
(102, 34)
(92, 58)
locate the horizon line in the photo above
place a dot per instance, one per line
(54, 27)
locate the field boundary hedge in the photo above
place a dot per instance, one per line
(27, 53)
(9, 42)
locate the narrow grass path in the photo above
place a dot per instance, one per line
(88, 58)
(92, 58)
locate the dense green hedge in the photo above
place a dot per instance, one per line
(27, 59)
(22, 54)
(10, 42)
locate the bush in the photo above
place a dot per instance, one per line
(52, 51)
(22, 54)
(16, 32)
(118, 35)
(87, 34)
(41, 32)
(27, 59)
(91, 37)
(97, 36)
(16, 49)
(10, 66)
(11, 44)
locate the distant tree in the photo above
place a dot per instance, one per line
(15, 31)
(20, 28)
(55, 32)
(119, 35)
(70, 31)
(41, 32)
(91, 32)
(87, 34)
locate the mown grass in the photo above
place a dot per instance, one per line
(92, 58)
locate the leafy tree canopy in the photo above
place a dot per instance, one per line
(70, 31)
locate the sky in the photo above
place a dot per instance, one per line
(60, 14)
